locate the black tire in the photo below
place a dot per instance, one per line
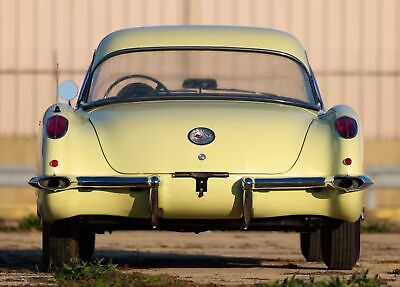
(86, 245)
(310, 243)
(60, 244)
(341, 244)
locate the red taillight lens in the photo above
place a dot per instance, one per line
(56, 127)
(347, 161)
(53, 163)
(346, 127)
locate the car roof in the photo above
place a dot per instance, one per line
(201, 36)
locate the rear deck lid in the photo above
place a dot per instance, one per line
(153, 137)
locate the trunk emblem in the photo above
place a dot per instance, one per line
(201, 136)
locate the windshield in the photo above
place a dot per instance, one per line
(199, 73)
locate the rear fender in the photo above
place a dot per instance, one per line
(77, 152)
(345, 148)
(324, 150)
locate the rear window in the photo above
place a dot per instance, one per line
(200, 72)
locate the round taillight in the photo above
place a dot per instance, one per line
(346, 127)
(56, 127)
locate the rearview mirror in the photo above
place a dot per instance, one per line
(67, 90)
(210, 84)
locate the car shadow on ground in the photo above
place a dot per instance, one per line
(25, 260)
(145, 260)
(21, 260)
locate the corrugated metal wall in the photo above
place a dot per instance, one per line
(354, 46)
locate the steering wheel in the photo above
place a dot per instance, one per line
(160, 86)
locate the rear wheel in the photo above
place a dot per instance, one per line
(310, 243)
(87, 245)
(60, 244)
(341, 244)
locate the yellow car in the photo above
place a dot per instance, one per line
(194, 128)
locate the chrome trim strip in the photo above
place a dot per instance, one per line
(265, 184)
(283, 183)
(98, 182)
(113, 181)
(188, 97)
(289, 182)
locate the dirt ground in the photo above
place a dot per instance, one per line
(229, 258)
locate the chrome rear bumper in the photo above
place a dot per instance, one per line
(346, 183)
(151, 184)
(59, 183)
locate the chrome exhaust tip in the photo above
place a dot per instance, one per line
(351, 183)
(50, 182)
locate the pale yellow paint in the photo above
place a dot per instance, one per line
(321, 155)
(264, 140)
(201, 36)
(251, 137)
(178, 200)
(23, 150)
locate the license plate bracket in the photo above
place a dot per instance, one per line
(201, 179)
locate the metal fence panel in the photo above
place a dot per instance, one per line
(354, 47)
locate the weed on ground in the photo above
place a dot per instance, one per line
(356, 280)
(79, 273)
(81, 270)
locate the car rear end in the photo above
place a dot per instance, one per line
(221, 139)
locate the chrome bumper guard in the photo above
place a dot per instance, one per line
(151, 183)
(343, 183)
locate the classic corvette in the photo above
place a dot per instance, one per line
(195, 128)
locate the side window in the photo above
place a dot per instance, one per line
(85, 84)
(315, 83)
